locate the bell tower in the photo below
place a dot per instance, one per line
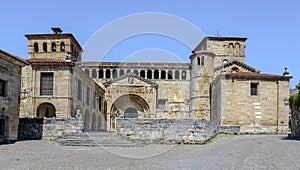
(55, 46)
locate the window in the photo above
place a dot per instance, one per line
(161, 105)
(156, 74)
(122, 72)
(88, 95)
(79, 88)
(101, 74)
(198, 61)
(53, 47)
(87, 71)
(2, 88)
(170, 74)
(235, 70)
(36, 47)
(45, 47)
(107, 73)
(94, 73)
(163, 74)
(135, 72)
(177, 74)
(115, 73)
(149, 74)
(100, 103)
(183, 75)
(142, 73)
(46, 84)
(202, 60)
(253, 89)
(62, 46)
(94, 100)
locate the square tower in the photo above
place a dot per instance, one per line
(56, 46)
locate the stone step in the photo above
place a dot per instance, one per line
(107, 139)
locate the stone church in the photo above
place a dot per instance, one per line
(216, 85)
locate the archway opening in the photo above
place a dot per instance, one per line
(131, 112)
(46, 110)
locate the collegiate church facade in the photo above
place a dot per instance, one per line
(216, 85)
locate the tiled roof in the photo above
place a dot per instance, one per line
(46, 60)
(137, 64)
(239, 64)
(247, 75)
(14, 57)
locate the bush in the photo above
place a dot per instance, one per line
(294, 100)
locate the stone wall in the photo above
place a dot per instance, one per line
(295, 122)
(167, 131)
(47, 128)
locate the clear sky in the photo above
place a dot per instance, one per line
(271, 26)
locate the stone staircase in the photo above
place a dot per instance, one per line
(103, 139)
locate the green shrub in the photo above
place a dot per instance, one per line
(294, 100)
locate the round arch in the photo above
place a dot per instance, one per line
(46, 110)
(130, 106)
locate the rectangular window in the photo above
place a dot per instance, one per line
(100, 103)
(94, 100)
(202, 60)
(253, 89)
(161, 105)
(46, 84)
(2, 88)
(79, 88)
(88, 95)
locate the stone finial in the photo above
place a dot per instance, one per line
(286, 72)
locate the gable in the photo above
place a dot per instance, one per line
(236, 66)
(130, 79)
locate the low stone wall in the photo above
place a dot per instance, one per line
(229, 129)
(295, 122)
(167, 131)
(47, 128)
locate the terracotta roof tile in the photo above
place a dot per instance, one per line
(14, 57)
(247, 75)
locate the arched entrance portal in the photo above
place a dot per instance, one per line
(46, 110)
(130, 106)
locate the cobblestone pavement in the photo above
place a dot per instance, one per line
(224, 152)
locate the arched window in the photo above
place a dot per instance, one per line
(143, 74)
(149, 74)
(53, 47)
(202, 60)
(224, 61)
(115, 73)
(101, 74)
(122, 72)
(183, 75)
(163, 74)
(170, 74)
(135, 72)
(198, 61)
(177, 74)
(107, 73)
(237, 49)
(62, 46)
(230, 49)
(36, 47)
(156, 74)
(87, 71)
(94, 73)
(45, 47)
(128, 71)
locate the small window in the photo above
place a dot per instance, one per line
(163, 74)
(36, 47)
(101, 74)
(115, 73)
(177, 74)
(149, 74)
(122, 72)
(79, 92)
(198, 61)
(107, 74)
(135, 72)
(94, 73)
(253, 89)
(62, 46)
(46, 84)
(142, 73)
(128, 71)
(2, 88)
(100, 103)
(88, 95)
(183, 75)
(170, 74)
(235, 70)
(161, 105)
(202, 60)
(45, 47)
(53, 47)
(156, 74)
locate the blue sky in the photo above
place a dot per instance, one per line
(271, 26)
